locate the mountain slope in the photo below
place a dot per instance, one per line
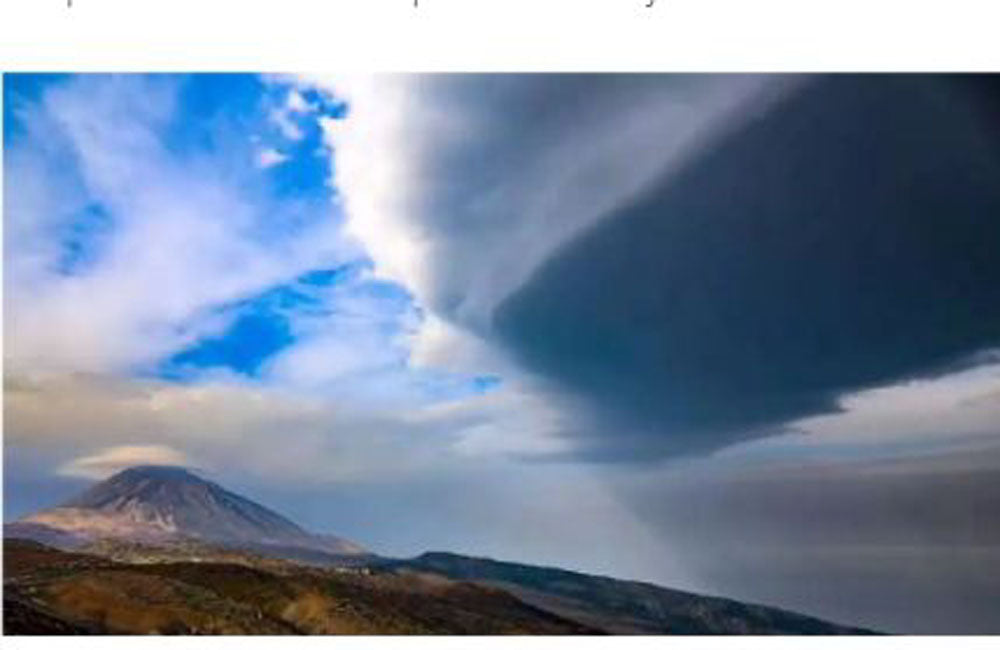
(620, 606)
(158, 504)
(47, 591)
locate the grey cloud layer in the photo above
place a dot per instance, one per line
(845, 239)
(545, 162)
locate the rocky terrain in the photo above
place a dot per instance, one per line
(47, 591)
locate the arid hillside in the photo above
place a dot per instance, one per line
(54, 592)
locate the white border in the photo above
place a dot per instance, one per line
(499, 35)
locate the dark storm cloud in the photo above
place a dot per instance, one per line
(847, 238)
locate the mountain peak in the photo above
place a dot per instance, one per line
(162, 502)
(148, 485)
(158, 471)
(152, 473)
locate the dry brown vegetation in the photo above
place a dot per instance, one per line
(49, 590)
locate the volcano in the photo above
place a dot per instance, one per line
(155, 504)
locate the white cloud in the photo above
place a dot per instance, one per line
(108, 461)
(286, 125)
(931, 420)
(374, 151)
(275, 434)
(442, 344)
(296, 103)
(513, 420)
(267, 158)
(964, 404)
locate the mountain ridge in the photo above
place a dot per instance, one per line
(622, 606)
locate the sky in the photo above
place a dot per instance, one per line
(737, 334)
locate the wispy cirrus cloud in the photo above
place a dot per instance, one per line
(162, 216)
